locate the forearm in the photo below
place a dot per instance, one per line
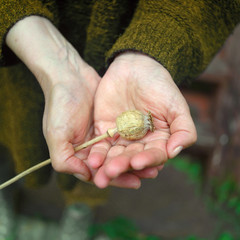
(38, 43)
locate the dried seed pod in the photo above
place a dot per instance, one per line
(133, 125)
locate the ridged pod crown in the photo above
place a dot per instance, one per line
(134, 125)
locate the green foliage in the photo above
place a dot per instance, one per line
(227, 195)
(191, 168)
(193, 238)
(119, 229)
(122, 228)
(226, 236)
(223, 200)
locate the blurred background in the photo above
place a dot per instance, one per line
(196, 195)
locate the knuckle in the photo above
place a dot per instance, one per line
(48, 133)
(58, 167)
(54, 131)
(194, 137)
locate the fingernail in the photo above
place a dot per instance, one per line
(153, 176)
(160, 167)
(176, 151)
(136, 186)
(153, 173)
(137, 165)
(80, 177)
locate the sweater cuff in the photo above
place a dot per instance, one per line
(184, 45)
(13, 11)
(160, 42)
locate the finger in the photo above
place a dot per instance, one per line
(98, 154)
(147, 173)
(83, 153)
(148, 158)
(119, 163)
(100, 179)
(126, 180)
(64, 160)
(160, 167)
(75, 166)
(115, 151)
(183, 134)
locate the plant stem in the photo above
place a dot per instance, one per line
(24, 173)
(110, 133)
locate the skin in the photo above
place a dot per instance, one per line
(80, 105)
(136, 81)
(66, 80)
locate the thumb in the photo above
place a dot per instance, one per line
(65, 160)
(182, 134)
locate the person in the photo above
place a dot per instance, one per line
(94, 60)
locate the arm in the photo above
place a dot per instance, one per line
(68, 84)
(182, 36)
(178, 36)
(13, 11)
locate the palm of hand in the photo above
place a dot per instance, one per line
(68, 118)
(144, 85)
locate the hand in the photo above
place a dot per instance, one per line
(68, 116)
(136, 81)
(69, 86)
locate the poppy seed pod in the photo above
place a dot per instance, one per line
(133, 125)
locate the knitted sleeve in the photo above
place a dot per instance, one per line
(182, 35)
(12, 11)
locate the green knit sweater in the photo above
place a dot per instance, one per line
(182, 35)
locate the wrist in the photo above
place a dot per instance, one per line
(32, 38)
(43, 49)
(136, 59)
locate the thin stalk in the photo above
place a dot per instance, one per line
(109, 133)
(24, 173)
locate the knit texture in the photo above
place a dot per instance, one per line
(21, 110)
(74, 18)
(108, 21)
(182, 35)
